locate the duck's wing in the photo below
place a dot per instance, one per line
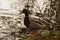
(35, 24)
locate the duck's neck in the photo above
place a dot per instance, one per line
(26, 15)
(26, 20)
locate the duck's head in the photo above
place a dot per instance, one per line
(26, 10)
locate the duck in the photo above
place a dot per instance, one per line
(31, 24)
